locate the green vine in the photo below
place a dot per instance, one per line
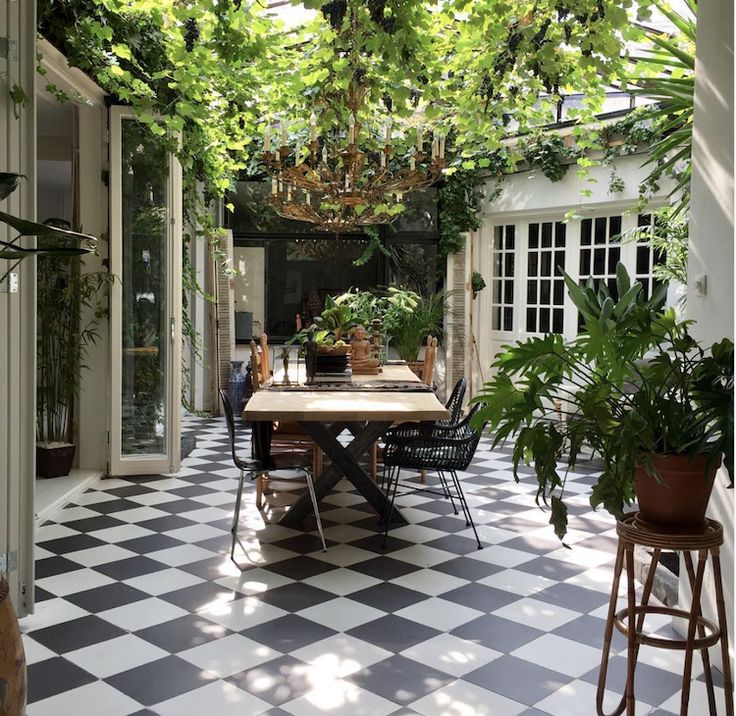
(460, 201)
(548, 152)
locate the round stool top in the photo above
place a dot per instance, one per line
(631, 529)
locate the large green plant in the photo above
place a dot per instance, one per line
(424, 320)
(665, 73)
(71, 306)
(633, 384)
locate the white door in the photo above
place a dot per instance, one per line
(145, 309)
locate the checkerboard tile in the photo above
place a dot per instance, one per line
(139, 606)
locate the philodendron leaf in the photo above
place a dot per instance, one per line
(558, 518)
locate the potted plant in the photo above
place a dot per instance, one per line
(413, 327)
(633, 387)
(71, 305)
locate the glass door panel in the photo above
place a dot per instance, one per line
(146, 302)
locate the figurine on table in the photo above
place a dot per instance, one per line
(363, 362)
(310, 356)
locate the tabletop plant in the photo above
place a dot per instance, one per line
(633, 385)
(424, 320)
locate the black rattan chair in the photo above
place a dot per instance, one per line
(445, 449)
(263, 461)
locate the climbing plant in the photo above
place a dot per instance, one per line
(208, 77)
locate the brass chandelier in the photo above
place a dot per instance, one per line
(353, 179)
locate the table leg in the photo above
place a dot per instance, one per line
(345, 462)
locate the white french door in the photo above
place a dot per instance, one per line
(145, 309)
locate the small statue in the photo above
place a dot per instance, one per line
(310, 356)
(285, 360)
(362, 361)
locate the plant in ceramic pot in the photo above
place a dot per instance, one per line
(413, 327)
(635, 388)
(71, 306)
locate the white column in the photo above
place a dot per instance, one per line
(712, 234)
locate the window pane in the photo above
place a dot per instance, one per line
(509, 264)
(496, 319)
(546, 263)
(531, 320)
(560, 233)
(544, 320)
(532, 264)
(600, 230)
(559, 263)
(559, 297)
(510, 235)
(614, 227)
(599, 262)
(585, 262)
(497, 291)
(508, 319)
(533, 236)
(544, 292)
(508, 292)
(642, 260)
(531, 291)
(644, 220)
(546, 234)
(585, 230)
(614, 256)
(557, 320)
(498, 237)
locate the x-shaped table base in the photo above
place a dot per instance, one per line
(345, 462)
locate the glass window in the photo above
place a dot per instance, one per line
(502, 313)
(545, 284)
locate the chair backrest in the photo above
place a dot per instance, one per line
(455, 402)
(255, 363)
(471, 435)
(228, 410)
(265, 359)
(430, 355)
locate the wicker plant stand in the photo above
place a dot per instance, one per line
(701, 634)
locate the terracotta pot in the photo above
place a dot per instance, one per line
(680, 499)
(54, 461)
(12, 659)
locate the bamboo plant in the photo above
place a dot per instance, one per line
(71, 306)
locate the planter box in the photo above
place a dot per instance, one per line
(54, 461)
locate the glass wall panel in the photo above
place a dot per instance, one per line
(144, 288)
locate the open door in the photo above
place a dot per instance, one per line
(145, 309)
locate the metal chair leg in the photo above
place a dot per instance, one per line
(464, 504)
(313, 496)
(390, 511)
(446, 488)
(236, 515)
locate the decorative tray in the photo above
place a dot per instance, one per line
(366, 386)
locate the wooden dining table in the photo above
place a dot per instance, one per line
(365, 408)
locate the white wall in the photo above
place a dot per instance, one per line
(531, 191)
(712, 229)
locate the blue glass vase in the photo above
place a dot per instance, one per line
(236, 387)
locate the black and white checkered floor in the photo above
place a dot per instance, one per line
(140, 610)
